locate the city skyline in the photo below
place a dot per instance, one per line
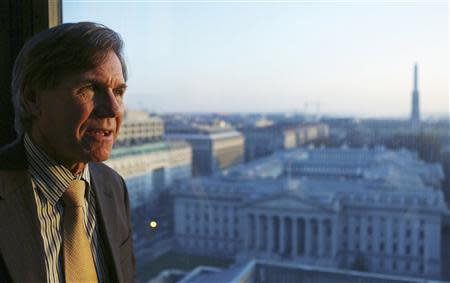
(330, 58)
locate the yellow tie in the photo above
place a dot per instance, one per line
(78, 262)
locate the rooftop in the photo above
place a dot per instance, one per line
(147, 148)
(268, 271)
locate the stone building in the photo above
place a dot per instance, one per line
(382, 215)
(213, 148)
(265, 139)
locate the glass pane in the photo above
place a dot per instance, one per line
(266, 140)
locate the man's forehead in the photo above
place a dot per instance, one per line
(99, 75)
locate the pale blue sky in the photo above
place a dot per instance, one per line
(353, 58)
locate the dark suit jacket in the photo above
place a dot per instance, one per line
(21, 246)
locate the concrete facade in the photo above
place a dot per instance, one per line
(369, 218)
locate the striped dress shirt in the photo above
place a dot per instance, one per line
(50, 180)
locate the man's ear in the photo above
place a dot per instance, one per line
(31, 101)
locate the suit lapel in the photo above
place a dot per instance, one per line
(107, 212)
(20, 243)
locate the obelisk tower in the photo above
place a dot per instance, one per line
(415, 114)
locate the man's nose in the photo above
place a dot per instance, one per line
(107, 105)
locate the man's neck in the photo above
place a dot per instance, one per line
(75, 167)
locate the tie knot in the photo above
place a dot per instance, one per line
(74, 194)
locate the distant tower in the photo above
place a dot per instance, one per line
(415, 114)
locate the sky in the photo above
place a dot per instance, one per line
(352, 58)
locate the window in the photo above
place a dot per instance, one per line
(421, 250)
(421, 234)
(408, 233)
(407, 249)
(408, 266)
(238, 82)
(421, 268)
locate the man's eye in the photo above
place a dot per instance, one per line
(87, 90)
(119, 92)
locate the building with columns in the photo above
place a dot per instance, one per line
(364, 209)
(269, 271)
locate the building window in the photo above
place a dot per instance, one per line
(421, 234)
(395, 234)
(394, 248)
(408, 249)
(421, 250)
(408, 233)
(381, 247)
(421, 268)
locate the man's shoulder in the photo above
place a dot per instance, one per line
(12, 156)
(102, 168)
(106, 179)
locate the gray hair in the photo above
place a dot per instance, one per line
(54, 53)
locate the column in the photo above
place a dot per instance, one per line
(321, 238)
(257, 232)
(270, 231)
(401, 236)
(363, 234)
(415, 238)
(211, 235)
(282, 239)
(264, 231)
(308, 242)
(389, 242)
(376, 236)
(231, 227)
(337, 235)
(246, 224)
(295, 236)
(252, 231)
(219, 224)
(301, 236)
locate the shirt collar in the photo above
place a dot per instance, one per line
(50, 177)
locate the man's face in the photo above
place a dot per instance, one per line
(79, 119)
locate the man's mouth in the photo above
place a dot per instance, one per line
(100, 133)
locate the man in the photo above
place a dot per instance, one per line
(64, 216)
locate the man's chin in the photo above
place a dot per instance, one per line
(98, 155)
(97, 152)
